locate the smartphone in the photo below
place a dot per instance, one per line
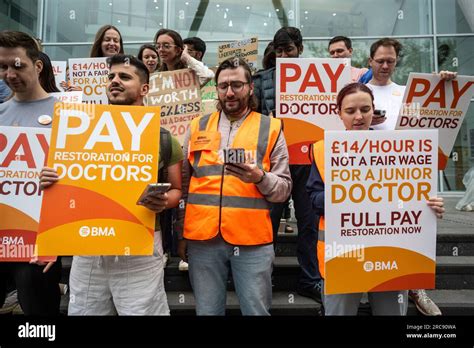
(153, 188)
(379, 113)
(234, 156)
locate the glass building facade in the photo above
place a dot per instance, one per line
(436, 34)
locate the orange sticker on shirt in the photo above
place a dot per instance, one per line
(205, 141)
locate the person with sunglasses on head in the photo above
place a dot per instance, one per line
(236, 165)
(174, 55)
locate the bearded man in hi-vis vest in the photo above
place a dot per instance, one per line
(236, 164)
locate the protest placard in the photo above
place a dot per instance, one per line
(91, 74)
(59, 70)
(209, 98)
(68, 97)
(380, 234)
(105, 156)
(306, 94)
(23, 152)
(178, 94)
(246, 49)
(432, 103)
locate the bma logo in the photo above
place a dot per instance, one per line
(86, 231)
(370, 266)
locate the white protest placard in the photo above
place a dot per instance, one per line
(73, 97)
(380, 234)
(59, 69)
(91, 74)
(306, 94)
(432, 103)
(22, 156)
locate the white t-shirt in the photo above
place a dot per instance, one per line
(388, 98)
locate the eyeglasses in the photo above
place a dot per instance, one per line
(383, 61)
(236, 86)
(165, 46)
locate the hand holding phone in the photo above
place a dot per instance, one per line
(151, 190)
(379, 117)
(234, 156)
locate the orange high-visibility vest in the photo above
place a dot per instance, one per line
(224, 204)
(318, 157)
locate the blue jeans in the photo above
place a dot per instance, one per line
(307, 222)
(209, 265)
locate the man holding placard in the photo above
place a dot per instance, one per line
(127, 285)
(31, 106)
(384, 56)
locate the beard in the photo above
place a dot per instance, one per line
(238, 107)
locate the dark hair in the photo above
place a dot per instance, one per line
(386, 42)
(96, 50)
(234, 63)
(178, 41)
(15, 39)
(129, 59)
(143, 48)
(346, 40)
(353, 88)
(197, 43)
(269, 57)
(46, 76)
(287, 35)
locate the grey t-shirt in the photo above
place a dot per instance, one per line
(26, 114)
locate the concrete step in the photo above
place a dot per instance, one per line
(451, 302)
(452, 272)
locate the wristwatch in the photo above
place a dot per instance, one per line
(261, 179)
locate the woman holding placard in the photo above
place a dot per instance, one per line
(355, 104)
(174, 55)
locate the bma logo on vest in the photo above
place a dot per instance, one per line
(94, 231)
(370, 266)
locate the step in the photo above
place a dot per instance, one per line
(451, 302)
(452, 272)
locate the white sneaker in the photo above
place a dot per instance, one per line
(11, 302)
(165, 259)
(183, 266)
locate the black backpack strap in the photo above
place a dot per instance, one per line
(165, 155)
(163, 164)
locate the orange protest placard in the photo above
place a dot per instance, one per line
(22, 155)
(105, 157)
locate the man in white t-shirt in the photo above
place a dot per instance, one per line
(388, 98)
(384, 55)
